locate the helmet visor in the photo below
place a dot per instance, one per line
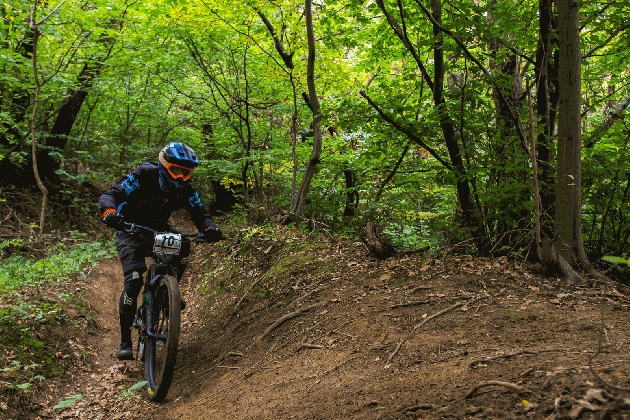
(176, 171)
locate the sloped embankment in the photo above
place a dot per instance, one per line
(298, 327)
(281, 325)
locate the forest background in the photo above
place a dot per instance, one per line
(492, 127)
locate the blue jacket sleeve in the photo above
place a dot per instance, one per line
(198, 213)
(120, 193)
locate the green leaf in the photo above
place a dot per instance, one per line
(616, 260)
(67, 403)
(137, 385)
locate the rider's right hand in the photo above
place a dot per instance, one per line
(113, 219)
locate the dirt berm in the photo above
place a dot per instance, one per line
(283, 325)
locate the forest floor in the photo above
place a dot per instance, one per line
(328, 332)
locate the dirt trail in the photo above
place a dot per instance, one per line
(338, 335)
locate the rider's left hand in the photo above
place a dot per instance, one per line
(211, 234)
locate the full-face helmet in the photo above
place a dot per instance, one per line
(176, 163)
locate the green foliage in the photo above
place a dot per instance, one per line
(62, 263)
(68, 402)
(26, 364)
(131, 391)
(209, 73)
(22, 378)
(616, 260)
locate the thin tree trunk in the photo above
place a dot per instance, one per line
(352, 196)
(297, 207)
(470, 213)
(34, 27)
(537, 207)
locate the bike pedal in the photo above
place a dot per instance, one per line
(124, 352)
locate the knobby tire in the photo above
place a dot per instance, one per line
(164, 312)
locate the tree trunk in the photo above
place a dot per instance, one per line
(568, 227)
(469, 212)
(287, 59)
(546, 102)
(297, 207)
(352, 196)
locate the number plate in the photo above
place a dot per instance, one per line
(167, 243)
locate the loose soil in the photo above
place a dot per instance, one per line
(300, 328)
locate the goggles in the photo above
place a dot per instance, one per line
(176, 171)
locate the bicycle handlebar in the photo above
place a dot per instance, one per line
(198, 237)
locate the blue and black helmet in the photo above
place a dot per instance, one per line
(180, 154)
(176, 163)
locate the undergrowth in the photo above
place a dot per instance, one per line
(34, 292)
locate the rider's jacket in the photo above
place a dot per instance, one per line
(140, 198)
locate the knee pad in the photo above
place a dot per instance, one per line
(133, 284)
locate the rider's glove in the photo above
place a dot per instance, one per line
(212, 234)
(112, 219)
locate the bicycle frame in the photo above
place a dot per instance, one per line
(163, 271)
(158, 317)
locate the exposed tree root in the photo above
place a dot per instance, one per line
(289, 316)
(516, 353)
(497, 383)
(424, 321)
(402, 305)
(591, 357)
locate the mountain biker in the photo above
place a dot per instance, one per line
(147, 196)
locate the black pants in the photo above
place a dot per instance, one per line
(132, 251)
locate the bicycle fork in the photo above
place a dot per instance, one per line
(141, 321)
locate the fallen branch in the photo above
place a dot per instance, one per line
(497, 383)
(415, 408)
(318, 323)
(334, 330)
(337, 366)
(230, 354)
(516, 353)
(442, 312)
(402, 305)
(394, 353)
(289, 316)
(309, 346)
(221, 360)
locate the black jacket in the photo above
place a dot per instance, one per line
(141, 200)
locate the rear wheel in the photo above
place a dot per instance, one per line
(163, 318)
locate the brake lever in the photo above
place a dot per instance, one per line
(130, 227)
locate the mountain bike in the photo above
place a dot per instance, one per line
(158, 317)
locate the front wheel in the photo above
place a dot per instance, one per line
(163, 319)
